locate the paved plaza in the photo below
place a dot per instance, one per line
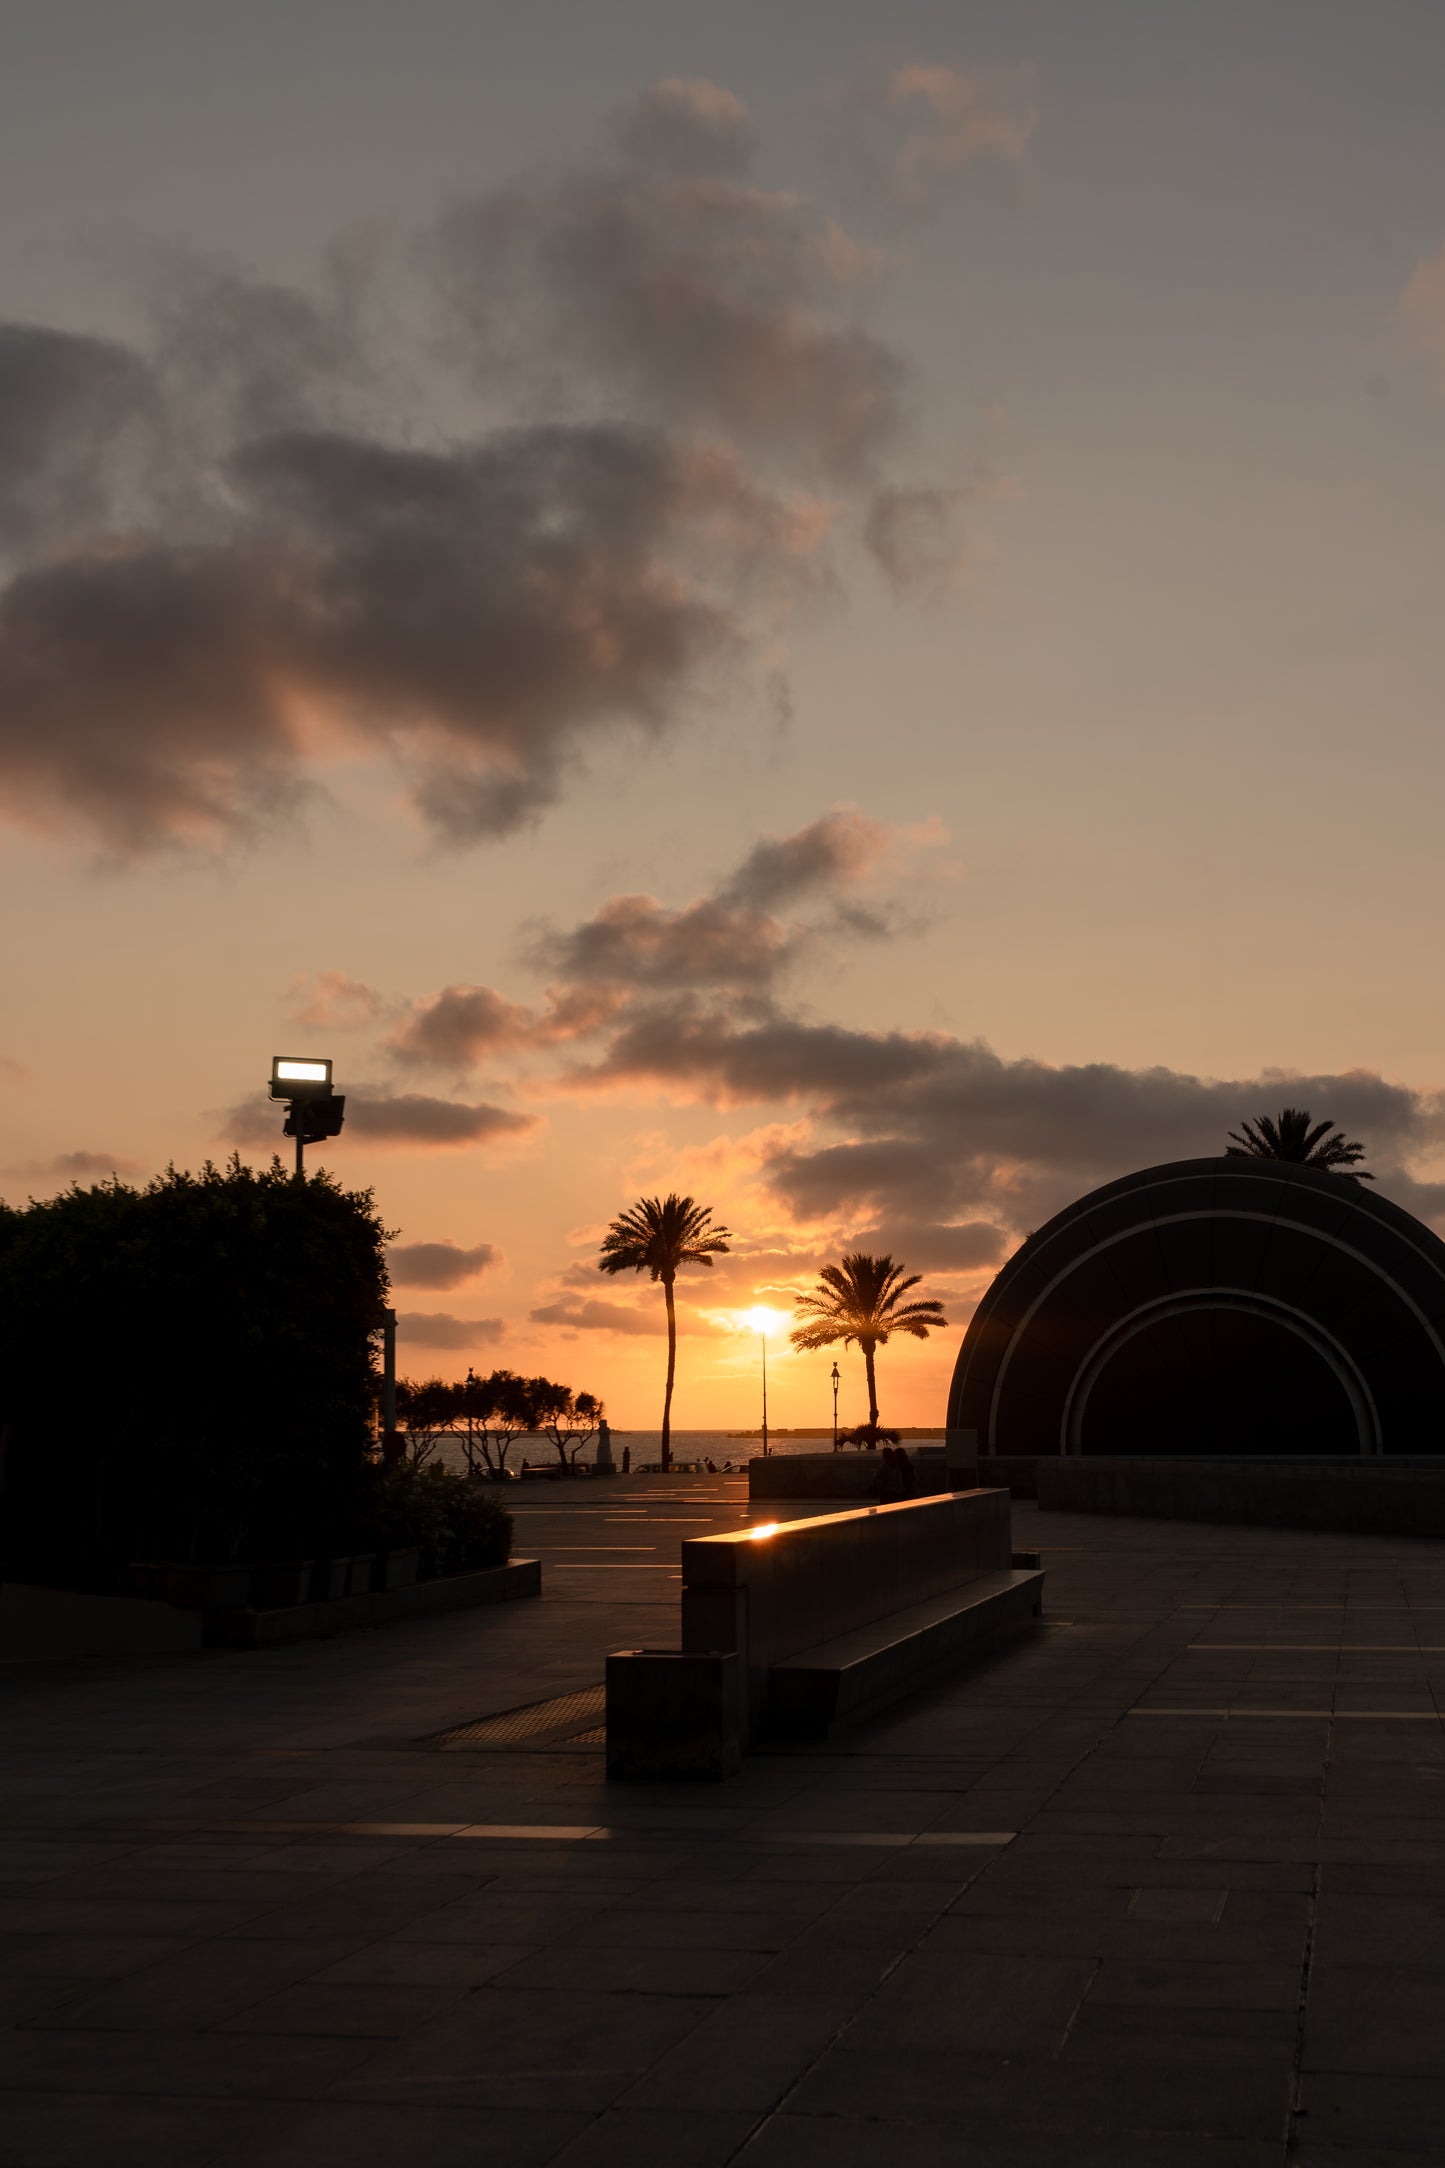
(1160, 1886)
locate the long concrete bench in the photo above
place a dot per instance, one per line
(791, 1629)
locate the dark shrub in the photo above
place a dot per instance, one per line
(186, 1371)
(456, 1521)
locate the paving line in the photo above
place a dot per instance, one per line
(1324, 1648)
(586, 1833)
(1394, 1716)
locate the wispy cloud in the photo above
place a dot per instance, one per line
(439, 1264)
(596, 1316)
(394, 1118)
(438, 1328)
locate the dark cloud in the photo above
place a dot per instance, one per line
(463, 1025)
(634, 946)
(439, 1264)
(926, 1126)
(636, 941)
(840, 847)
(437, 1328)
(79, 421)
(480, 613)
(595, 1316)
(400, 1118)
(669, 277)
(934, 1245)
(263, 538)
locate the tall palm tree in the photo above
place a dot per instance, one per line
(862, 1300)
(659, 1235)
(1296, 1136)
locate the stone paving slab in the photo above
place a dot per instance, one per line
(1162, 1886)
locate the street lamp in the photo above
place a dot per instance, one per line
(761, 1321)
(835, 1407)
(313, 1109)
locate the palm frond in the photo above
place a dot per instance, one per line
(659, 1235)
(1299, 1140)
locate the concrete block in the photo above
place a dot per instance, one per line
(674, 1713)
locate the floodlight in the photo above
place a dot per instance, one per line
(313, 1119)
(300, 1076)
(313, 1110)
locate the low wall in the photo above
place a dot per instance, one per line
(775, 1591)
(42, 1624)
(244, 1629)
(1360, 1495)
(849, 1476)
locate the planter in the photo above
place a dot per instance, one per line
(206, 1588)
(394, 1569)
(329, 1577)
(272, 1587)
(359, 1581)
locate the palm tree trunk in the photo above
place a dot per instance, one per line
(671, 1372)
(872, 1389)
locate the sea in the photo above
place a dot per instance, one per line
(727, 1449)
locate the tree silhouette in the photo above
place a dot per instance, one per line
(1295, 1136)
(862, 1300)
(659, 1235)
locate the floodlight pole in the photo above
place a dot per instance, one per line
(300, 1144)
(835, 1407)
(763, 1336)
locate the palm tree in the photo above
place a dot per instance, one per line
(1293, 1138)
(659, 1235)
(862, 1300)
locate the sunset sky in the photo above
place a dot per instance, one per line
(838, 607)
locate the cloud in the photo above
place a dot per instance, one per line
(388, 1118)
(934, 1245)
(839, 848)
(437, 1328)
(596, 1316)
(1422, 309)
(636, 941)
(924, 1126)
(282, 528)
(915, 536)
(439, 1264)
(463, 1025)
(78, 428)
(905, 136)
(477, 613)
(688, 127)
(330, 1001)
(633, 946)
(14, 1072)
(669, 277)
(78, 1166)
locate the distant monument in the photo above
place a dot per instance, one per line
(1213, 1306)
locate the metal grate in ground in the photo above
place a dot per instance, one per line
(572, 1717)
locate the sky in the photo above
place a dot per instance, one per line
(837, 608)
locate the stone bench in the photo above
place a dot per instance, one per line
(793, 1628)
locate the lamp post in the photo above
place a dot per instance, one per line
(835, 1407)
(313, 1109)
(760, 1319)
